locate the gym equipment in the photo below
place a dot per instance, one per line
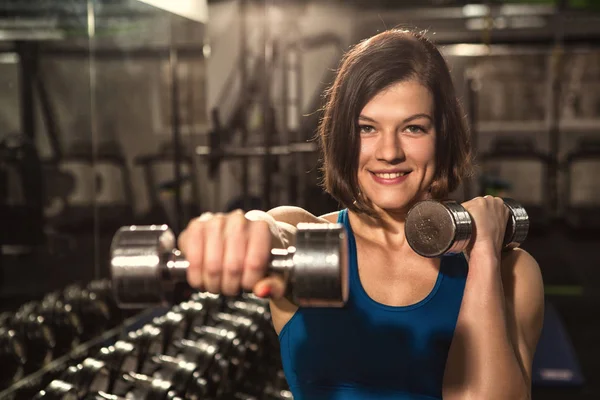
(64, 322)
(582, 199)
(93, 311)
(113, 195)
(524, 172)
(21, 192)
(71, 189)
(12, 357)
(172, 198)
(58, 390)
(555, 362)
(90, 375)
(36, 334)
(146, 267)
(435, 228)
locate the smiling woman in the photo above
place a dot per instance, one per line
(459, 326)
(404, 84)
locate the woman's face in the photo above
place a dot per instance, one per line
(397, 146)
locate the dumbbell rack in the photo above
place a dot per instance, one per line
(226, 344)
(35, 381)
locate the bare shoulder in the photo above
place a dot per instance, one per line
(294, 215)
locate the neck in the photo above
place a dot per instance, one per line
(388, 230)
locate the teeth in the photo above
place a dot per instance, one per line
(391, 176)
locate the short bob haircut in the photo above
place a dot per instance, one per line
(365, 70)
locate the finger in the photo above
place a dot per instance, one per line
(213, 254)
(235, 252)
(258, 253)
(272, 287)
(190, 243)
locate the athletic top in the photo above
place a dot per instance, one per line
(368, 350)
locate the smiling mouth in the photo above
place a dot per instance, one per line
(390, 175)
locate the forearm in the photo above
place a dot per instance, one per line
(499, 374)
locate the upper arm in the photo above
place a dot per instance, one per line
(524, 295)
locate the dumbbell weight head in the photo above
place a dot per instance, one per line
(193, 313)
(37, 336)
(149, 388)
(517, 227)
(58, 390)
(147, 269)
(185, 376)
(12, 357)
(65, 323)
(212, 364)
(117, 358)
(434, 228)
(102, 396)
(89, 376)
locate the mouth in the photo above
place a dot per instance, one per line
(390, 175)
(389, 178)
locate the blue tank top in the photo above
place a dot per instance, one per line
(368, 350)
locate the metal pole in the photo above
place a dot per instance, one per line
(557, 63)
(176, 131)
(267, 120)
(244, 99)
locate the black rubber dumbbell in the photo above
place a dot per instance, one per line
(57, 390)
(89, 376)
(212, 364)
(102, 396)
(172, 327)
(93, 311)
(194, 314)
(102, 290)
(12, 357)
(146, 387)
(186, 377)
(36, 335)
(117, 358)
(64, 322)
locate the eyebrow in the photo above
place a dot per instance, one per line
(411, 118)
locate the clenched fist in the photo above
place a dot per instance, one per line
(228, 253)
(490, 217)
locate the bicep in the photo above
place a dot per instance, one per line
(524, 294)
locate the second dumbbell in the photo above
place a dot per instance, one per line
(434, 228)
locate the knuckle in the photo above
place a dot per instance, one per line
(255, 265)
(233, 268)
(212, 267)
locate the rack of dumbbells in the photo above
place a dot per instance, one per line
(78, 345)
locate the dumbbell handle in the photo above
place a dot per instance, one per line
(176, 265)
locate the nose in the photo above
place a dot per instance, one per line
(389, 148)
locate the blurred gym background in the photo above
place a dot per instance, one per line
(117, 112)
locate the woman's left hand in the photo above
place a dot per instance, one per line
(490, 216)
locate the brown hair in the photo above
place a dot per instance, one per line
(365, 70)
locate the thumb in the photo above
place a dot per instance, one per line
(272, 287)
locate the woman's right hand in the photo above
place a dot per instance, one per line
(228, 253)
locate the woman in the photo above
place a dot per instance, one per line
(464, 326)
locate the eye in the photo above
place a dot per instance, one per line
(366, 129)
(415, 129)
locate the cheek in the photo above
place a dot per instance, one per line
(424, 154)
(367, 148)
